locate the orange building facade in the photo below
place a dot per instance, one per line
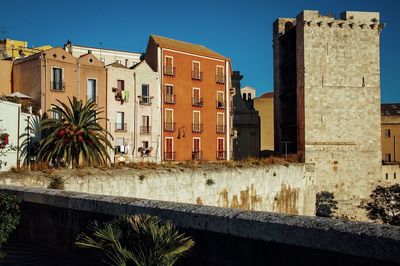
(55, 74)
(390, 126)
(196, 100)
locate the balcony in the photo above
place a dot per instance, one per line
(197, 128)
(220, 79)
(169, 98)
(197, 75)
(197, 102)
(169, 71)
(92, 98)
(221, 129)
(197, 155)
(120, 127)
(145, 100)
(168, 126)
(169, 155)
(221, 155)
(145, 130)
(57, 86)
(220, 104)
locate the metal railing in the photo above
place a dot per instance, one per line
(120, 127)
(169, 98)
(220, 104)
(197, 75)
(145, 100)
(197, 127)
(197, 102)
(57, 86)
(169, 155)
(197, 155)
(169, 70)
(220, 79)
(221, 128)
(169, 126)
(145, 129)
(221, 155)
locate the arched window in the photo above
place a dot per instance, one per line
(244, 96)
(249, 96)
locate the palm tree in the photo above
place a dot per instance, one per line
(140, 240)
(75, 136)
(31, 146)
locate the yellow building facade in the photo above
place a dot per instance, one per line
(17, 49)
(265, 107)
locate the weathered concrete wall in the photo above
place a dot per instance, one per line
(275, 188)
(222, 236)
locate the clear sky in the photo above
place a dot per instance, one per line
(241, 30)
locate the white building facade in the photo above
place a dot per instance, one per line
(12, 123)
(107, 56)
(147, 114)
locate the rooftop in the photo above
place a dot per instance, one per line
(269, 94)
(390, 109)
(186, 47)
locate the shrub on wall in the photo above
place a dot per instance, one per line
(136, 240)
(384, 205)
(56, 182)
(9, 217)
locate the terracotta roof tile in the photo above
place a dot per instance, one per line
(186, 47)
(269, 94)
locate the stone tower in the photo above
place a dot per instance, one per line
(327, 98)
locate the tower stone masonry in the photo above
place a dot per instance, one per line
(327, 100)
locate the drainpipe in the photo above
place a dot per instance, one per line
(394, 144)
(18, 136)
(45, 84)
(78, 79)
(134, 115)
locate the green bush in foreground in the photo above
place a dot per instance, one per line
(136, 240)
(10, 215)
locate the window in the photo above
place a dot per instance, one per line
(387, 176)
(145, 144)
(196, 100)
(220, 78)
(196, 74)
(120, 146)
(120, 125)
(145, 128)
(220, 148)
(57, 79)
(387, 133)
(169, 120)
(220, 123)
(169, 149)
(120, 85)
(91, 90)
(196, 126)
(145, 98)
(54, 114)
(169, 94)
(388, 157)
(196, 152)
(169, 66)
(249, 96)
(244, 96)
(394, 175)
(220, 99)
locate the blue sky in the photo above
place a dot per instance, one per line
(241, 30)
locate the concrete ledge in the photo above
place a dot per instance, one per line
(379, 242)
